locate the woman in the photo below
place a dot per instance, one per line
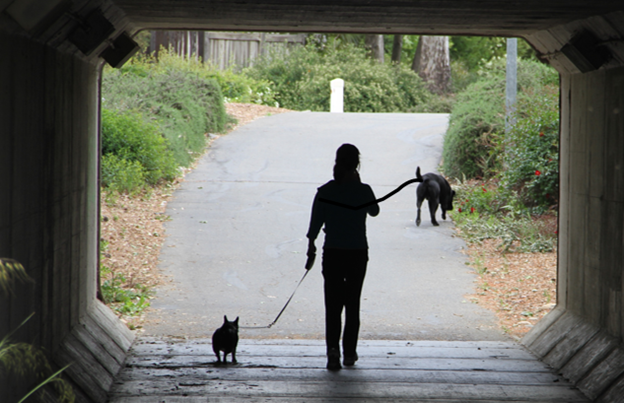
(345, 252)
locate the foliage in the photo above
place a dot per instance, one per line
(11, 272)
(475, 51)
(472, 145)
(179, 95)
(122, 175)
(489, 211)
(301, 79)
(23, 359)
(136, 142)
(124, 300)
(531, 150)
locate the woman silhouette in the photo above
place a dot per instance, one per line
(345, 252)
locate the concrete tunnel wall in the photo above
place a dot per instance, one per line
(48, 214)
(49, 211)
(582, 338)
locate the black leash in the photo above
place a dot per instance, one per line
(308, 266)
(418, 178)
(310, 261)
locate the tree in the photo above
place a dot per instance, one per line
(432, 62)
(397, 46)
(376, 45)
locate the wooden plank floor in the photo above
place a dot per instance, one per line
(169, 370)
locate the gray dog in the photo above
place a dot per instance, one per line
(437, 191)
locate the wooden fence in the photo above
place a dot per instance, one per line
(223, 49)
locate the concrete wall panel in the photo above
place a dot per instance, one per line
(591, 245)
(49, 208)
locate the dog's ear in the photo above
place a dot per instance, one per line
(236, 321)
(225, 319)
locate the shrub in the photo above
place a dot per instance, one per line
(489, 211)
(472, 144)
(531, 150)
(122, 175)
(301, 79)
(176, 94)
(128, 136)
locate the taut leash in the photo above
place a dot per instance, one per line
(418, 178)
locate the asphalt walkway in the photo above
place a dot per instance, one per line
(236, 243)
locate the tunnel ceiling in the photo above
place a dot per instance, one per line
(472, 17)
(102, 28)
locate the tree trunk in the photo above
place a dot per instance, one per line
(376, 45)
(397, 45)
(432, 62)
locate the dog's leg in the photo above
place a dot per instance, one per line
(419, 199)
(234, 356)
(433, 207)
(418, 213)
(418, 216)
(218, 354)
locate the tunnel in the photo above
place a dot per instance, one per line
(51, 53)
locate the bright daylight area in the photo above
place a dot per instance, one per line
(162, 111)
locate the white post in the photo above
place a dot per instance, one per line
(337, 93)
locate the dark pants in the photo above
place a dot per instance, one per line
(344, 271)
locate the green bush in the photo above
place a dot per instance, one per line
(301, 80)
(129, 137)
(122, 175)
(174, 93)
(531, 150)
(472, 144)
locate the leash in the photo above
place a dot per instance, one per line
(418, 178)
(308, 266)
(310, 261)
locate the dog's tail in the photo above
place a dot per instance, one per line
(419, 177)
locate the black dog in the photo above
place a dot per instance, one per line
(437, 191)
(225, 339)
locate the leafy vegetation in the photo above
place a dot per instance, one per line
(489, 211)
(184, 105)
(507, 182)
(474, 141)
(531, 150)
(124, 300)
(23, 359)
(134, 151)
(301, 77)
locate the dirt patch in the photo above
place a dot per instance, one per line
(520, 288)
(246, 113)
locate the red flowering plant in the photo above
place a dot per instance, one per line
(477, 198)
(531, 155)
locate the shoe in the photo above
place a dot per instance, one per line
(350, 361)
(333, 360)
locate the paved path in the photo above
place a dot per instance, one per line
(293, 371)
(236, 242)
